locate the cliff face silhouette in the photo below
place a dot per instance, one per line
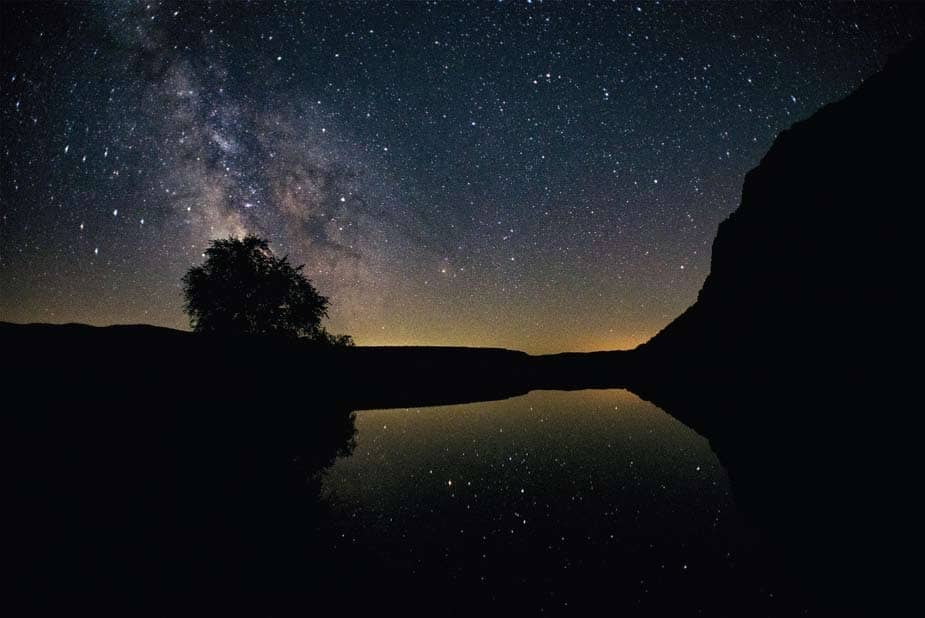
(817, 264)
(796, 361)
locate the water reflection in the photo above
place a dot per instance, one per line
(549, 500)
(807, 467)
(528, 454)
(544, 501)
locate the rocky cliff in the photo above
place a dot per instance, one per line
(797, 360)
(818, 264)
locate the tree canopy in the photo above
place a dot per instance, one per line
(242, 288)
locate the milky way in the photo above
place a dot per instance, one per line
(536, 176)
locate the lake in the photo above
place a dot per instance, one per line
(551, 500)
(270, 489)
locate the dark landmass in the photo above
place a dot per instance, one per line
(155, 465)
(114, 362)
(792, 362)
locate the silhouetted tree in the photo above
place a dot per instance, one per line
(242, 288)
(331, 339)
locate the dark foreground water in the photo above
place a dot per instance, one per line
(576, 501)
(552, 500)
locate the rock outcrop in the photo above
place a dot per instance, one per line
(818, 264)
(795, 359)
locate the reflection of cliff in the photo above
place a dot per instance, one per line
(792, 360)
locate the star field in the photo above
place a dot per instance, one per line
(539, 176)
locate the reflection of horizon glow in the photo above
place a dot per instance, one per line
(590, 475)
(602, 434)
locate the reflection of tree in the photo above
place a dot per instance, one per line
(259, 505)
(169, 492)
(323, 436)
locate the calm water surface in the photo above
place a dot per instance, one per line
(552, 499)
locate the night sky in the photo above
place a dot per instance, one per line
(531, 175)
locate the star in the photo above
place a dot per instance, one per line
(377, 144)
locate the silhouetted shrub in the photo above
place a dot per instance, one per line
(242, 288)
